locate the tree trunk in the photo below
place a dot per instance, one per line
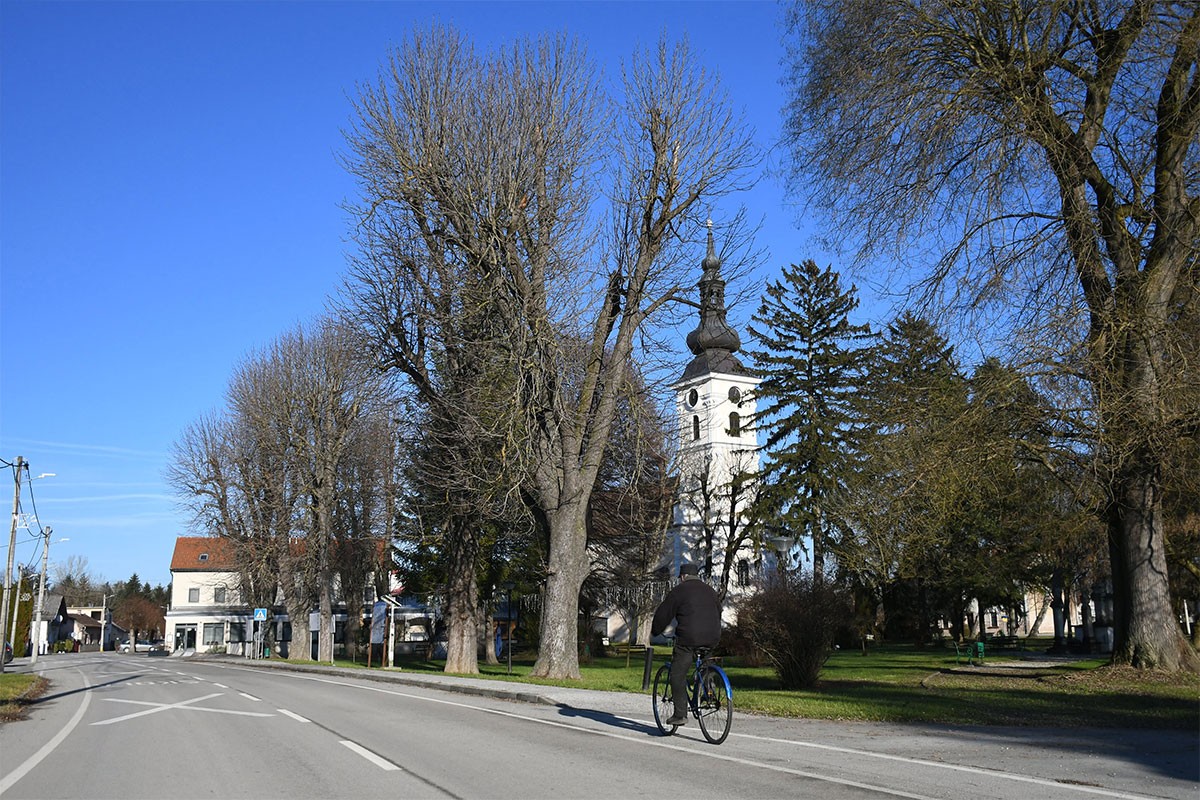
(462, 599)
(298, 599)
(644, 621)
(1145, 633)
(487, 633)
(1030, 627)
(325, 637)
(558, 656)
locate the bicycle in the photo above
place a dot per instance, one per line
(710, 698)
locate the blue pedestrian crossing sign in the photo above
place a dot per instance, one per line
(260, 615)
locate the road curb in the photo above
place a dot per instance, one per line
(447, 684)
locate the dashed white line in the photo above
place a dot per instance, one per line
(291, 714)
(250, 697)
(721, 757)
(378, 761)
(220, 686)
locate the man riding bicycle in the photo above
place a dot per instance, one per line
(697, 613)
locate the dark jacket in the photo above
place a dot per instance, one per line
(697, 613)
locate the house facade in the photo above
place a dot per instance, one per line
(55, 625)
(208, 614)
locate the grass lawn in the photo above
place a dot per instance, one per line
(898, 683)
(15, 690)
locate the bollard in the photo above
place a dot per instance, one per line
(649, 666)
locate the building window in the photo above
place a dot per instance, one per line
(193, 595)
(219, 594)
(204, 556)
(735, 394)
(695, 428)
(237, 631)
(743, 573)
(214, 633)
(693, 398)
(285, 631)
(735, 424)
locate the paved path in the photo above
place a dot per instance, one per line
(856, 759)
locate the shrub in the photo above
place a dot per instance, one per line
(736, 641)
(794, 622)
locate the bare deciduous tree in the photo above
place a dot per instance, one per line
(283, 475)
(495, 171)
(1048, 154)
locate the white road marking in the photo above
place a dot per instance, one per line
(733, 759)
(291, 714)
(942, 765)
(220, 686)
(250, 697)
(378, 761)
(48, 748)
(185, 705)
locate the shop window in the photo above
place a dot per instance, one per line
(214, 633)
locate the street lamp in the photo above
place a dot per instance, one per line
(781, 544)
(37, 625)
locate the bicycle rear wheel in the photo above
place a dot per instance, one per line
(664, 706)
(714, 707)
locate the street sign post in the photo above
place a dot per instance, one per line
(260, 619)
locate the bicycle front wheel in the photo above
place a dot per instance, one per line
(664, 706)
(714, 707)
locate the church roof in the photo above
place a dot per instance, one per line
(713, 342)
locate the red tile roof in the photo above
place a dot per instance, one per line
(219, 554)
(203, 554)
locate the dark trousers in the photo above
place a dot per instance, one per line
(681, 661)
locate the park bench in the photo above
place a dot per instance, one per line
(972, 652)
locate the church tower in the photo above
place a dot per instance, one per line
(714, 400)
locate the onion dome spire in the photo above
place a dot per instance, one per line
(713, 342)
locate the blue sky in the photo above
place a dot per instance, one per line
(169, 202)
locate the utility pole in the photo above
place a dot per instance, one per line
(37, 613)
(104, 619)
(12, 543)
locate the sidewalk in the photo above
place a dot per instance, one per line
(622, 703)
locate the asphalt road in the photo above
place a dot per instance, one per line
(132, 726)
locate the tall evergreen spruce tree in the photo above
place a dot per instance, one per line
(809, 358)
(900, 501)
